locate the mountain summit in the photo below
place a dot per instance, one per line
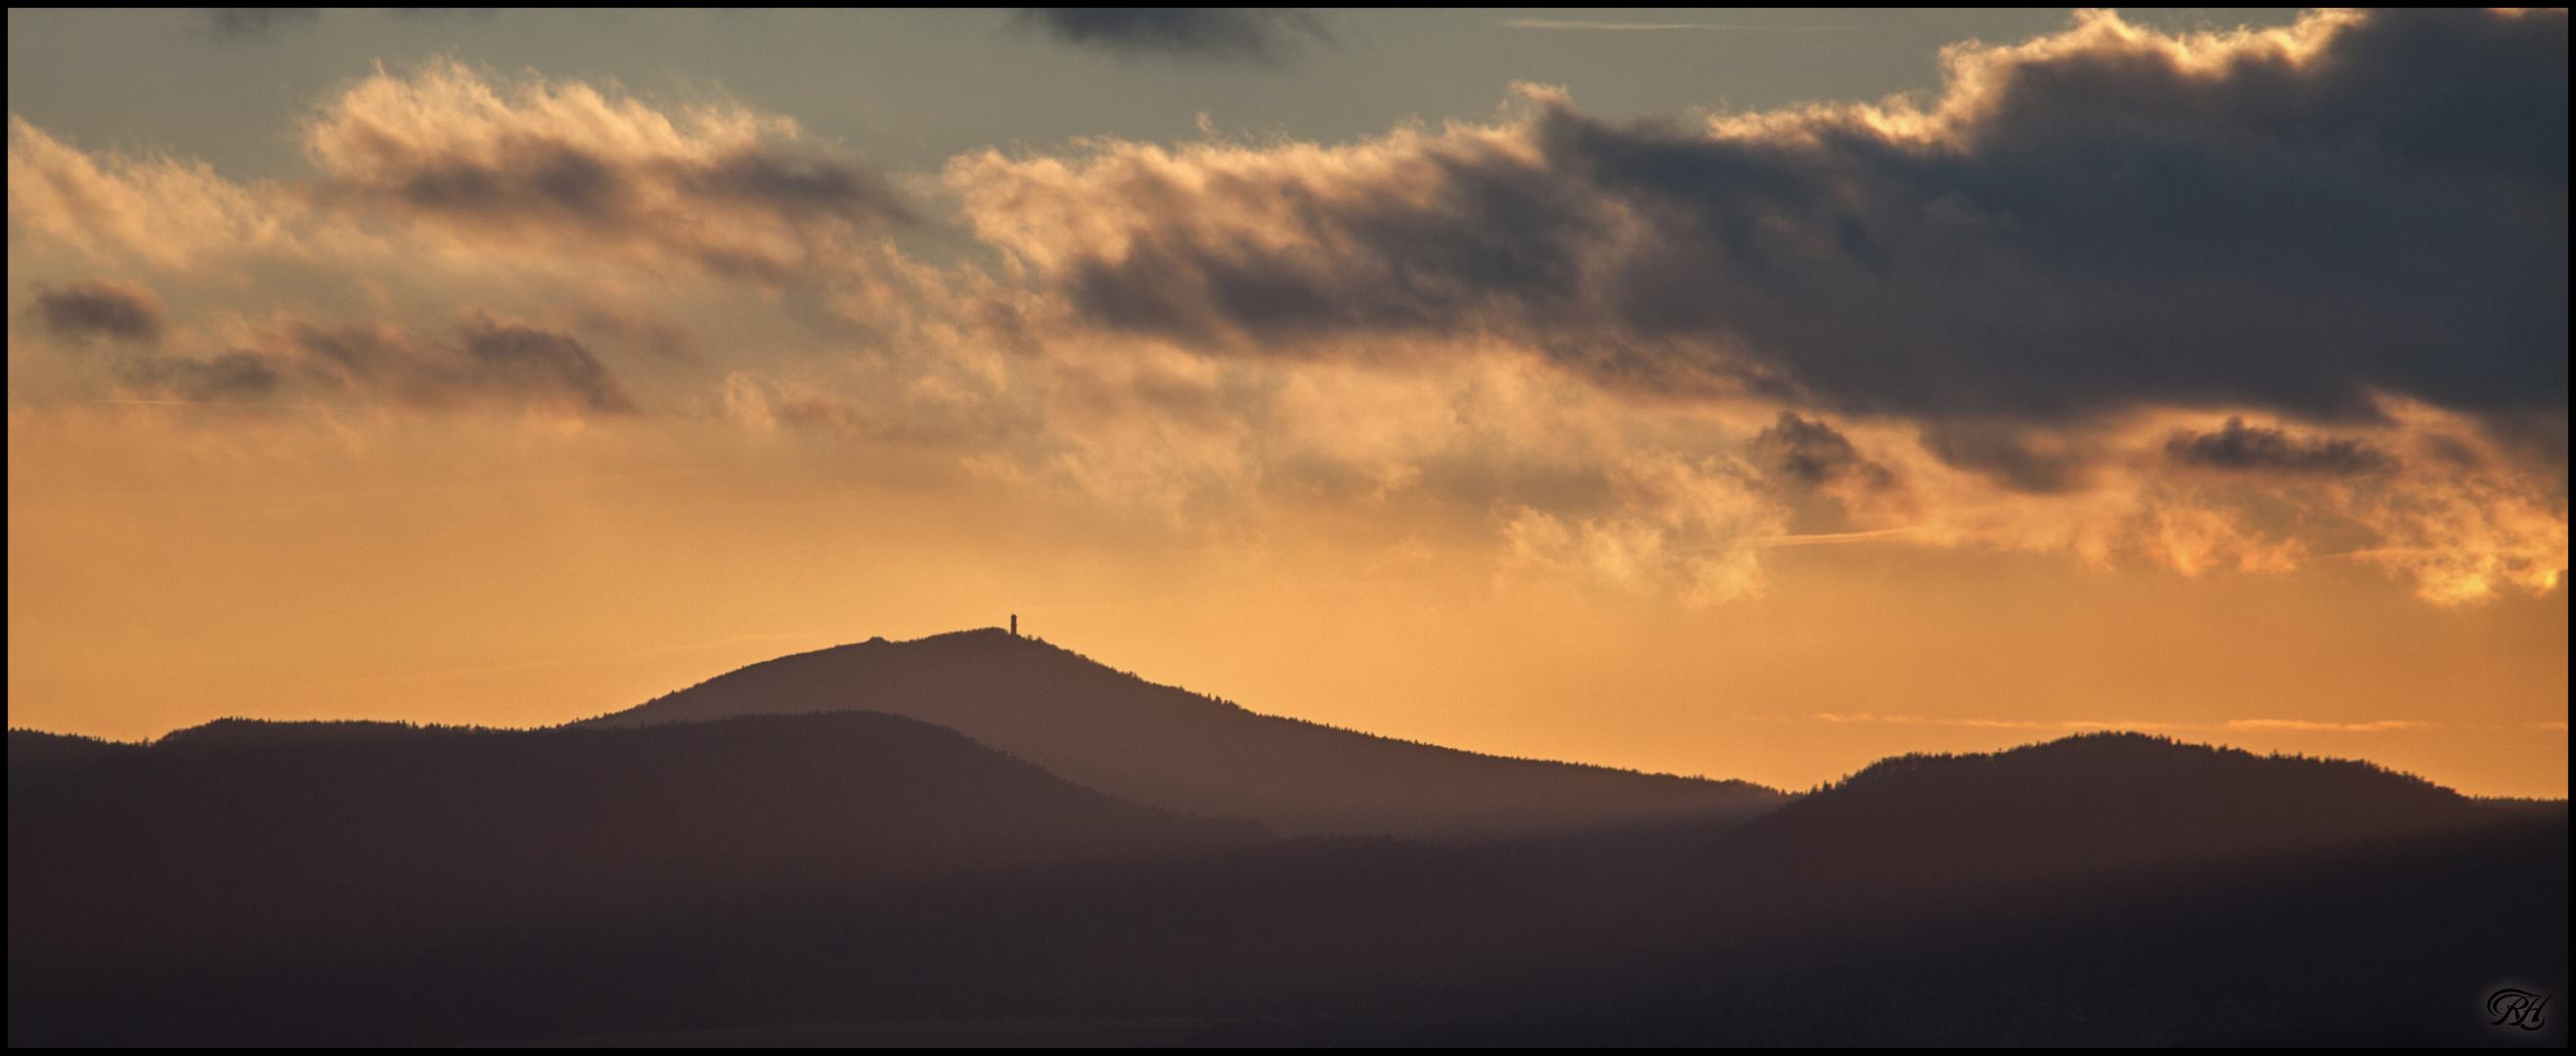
(1171, 748)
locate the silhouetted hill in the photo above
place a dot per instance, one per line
(278, 884)
(1171, 748)
(247, 835)
(1921, 827)
(37, 758)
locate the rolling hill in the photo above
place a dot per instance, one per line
(245, 835)
(853, 875)
(1983, 832)
(1182, 751)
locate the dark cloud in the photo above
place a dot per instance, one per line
(560, 185)
(494, 363)
(491, 363)
(2240, 447)
(536, 180)
(256, 23)
(2016, 455)
(725, 188)
(95, 308)
(1262, 35)
(524, 359)
(233, 376)
(2089, 223)
(1813, 453)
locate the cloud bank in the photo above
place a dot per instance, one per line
(2112, 217)
(2224, 302)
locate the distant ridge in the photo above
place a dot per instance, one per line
(1182, 751)
(2090, 805)
(37, 758)
(249, 835)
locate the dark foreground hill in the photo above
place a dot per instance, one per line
(1179, 750)
(243, 836)
(2093, 891)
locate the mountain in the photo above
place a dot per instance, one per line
(2096, 808)
(1171, 748)
(862, 877)
(246, 835)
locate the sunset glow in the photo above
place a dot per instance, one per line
(2115, 376)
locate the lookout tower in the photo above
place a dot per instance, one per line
(1015, 625)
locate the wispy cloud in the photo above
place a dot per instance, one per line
(1822, 538)
(1992, 724)
(2335, 727)
(2095, 724)
(566, 164)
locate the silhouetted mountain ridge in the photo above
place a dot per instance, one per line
(37, 758)
(1184, 751)
(286, 831)
(253, 883)
(2093, 804)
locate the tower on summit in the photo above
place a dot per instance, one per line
(1015, 625)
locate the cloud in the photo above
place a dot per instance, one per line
(2088, 724)
(1813, 453)
(2107, 218)
(158, 210)
(1993, 724)
(565, 164)
(1668, 522)
(100, 307)
(245, 377)
(1259, 35)
(520, 359)
(257, 23)
(2338, 727)
(642, 330)
(1639, 354)
(2239, 447)
(491, 363)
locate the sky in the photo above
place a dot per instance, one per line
(1744, 393)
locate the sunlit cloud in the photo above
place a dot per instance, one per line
(563, 162)
(2069, 229)
(1642, 355)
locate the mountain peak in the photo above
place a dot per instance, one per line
(1115, 731)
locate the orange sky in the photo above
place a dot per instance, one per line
(161, 577)
(527, 398)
